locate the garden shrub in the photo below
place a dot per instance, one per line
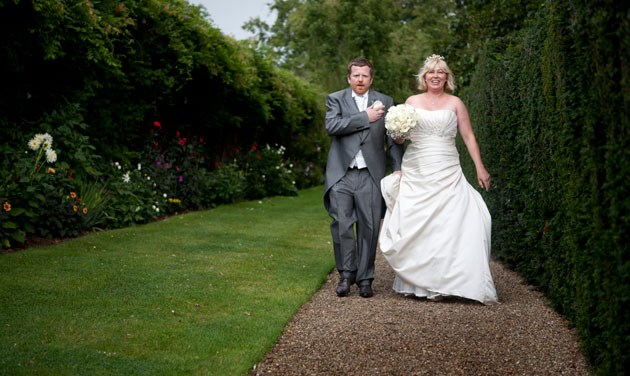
(267, 173)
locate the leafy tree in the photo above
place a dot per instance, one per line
(315, 39)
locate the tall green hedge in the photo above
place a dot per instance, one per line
(550, 106)
(128, 64)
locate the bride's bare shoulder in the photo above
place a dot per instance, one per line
(414, 100)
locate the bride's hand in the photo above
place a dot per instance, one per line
(483, 178)
(399, 140)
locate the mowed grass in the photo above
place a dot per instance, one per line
(203, 293)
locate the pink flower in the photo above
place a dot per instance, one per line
(181, 178)
(157, 124)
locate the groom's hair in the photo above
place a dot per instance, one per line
(360, 62)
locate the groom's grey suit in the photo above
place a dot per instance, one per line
(353, 196)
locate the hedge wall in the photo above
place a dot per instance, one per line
(550, 107)
(128, 64)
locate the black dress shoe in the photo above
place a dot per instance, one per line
(343, 288)
(365, 291)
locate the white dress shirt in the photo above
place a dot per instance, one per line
(361, 100)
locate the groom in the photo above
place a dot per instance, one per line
(355, 167)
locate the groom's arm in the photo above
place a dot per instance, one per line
(340, 121)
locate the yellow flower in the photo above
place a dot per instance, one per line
(73, 195)
(85, 211)
(51, 170)
(7, 206)
(75, 208)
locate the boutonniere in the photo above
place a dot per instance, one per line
(377, 104)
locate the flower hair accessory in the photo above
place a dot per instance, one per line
(434, 58)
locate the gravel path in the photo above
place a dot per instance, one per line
(390, 334)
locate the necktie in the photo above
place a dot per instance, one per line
(360, 99)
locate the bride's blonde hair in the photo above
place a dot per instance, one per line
(435, 62)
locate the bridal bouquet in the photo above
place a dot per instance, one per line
(400, 120)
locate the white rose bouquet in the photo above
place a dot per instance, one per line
(400, 120)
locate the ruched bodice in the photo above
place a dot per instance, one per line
(438, 124)
(436, 233)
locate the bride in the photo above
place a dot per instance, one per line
(436, 231)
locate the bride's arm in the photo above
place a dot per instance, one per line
(466, 131)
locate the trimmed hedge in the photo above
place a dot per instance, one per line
(550, 107)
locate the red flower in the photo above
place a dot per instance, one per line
(254, 147)
(217, 164)
(157, 124)
(182, 141)
(177, 134)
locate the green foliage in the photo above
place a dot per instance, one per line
(10, 231)
(93, 196)
(68, 125)
(169, 177)
(266, 172)
(136, 62)
(226, 184)
(176, 164)
(316, 39)
(133, 197)
(40, 192)
(551, 112)
(94, 73)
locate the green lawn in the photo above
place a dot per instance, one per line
(201, 293)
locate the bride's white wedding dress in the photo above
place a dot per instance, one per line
(436, 231)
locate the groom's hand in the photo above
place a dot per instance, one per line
(375, 114)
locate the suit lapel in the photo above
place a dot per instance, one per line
(350, 102)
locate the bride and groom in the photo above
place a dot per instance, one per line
(435, 226)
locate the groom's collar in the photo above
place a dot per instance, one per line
(365, 95)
